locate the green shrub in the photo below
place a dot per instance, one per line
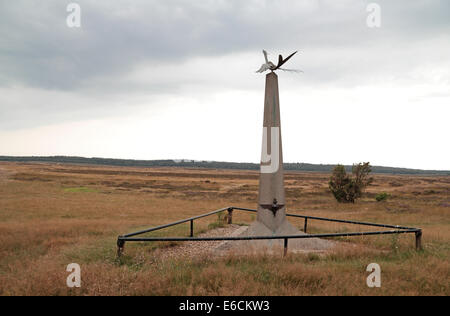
(383, 196)
(347, 189)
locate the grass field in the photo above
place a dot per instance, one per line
(53, 214)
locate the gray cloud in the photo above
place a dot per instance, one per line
(90, 64)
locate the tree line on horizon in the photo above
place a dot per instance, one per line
(186, 163)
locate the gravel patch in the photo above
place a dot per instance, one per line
(200, 248)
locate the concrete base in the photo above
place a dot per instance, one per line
(273, 246)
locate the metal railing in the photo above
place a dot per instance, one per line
(396, 230)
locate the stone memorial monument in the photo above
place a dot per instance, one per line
(271, 216)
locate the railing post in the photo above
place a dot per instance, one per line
(120, 246)
(230, 215)
(192, 228)
(419, 240)
(306, 225)
(285, 247)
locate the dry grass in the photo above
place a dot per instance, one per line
(52, 215)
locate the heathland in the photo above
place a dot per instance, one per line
(55, 214)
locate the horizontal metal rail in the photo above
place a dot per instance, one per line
(331, 219)
(386, 232)
(176, 223)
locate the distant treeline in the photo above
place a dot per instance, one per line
(209, 164)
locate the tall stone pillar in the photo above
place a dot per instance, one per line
(271, 199)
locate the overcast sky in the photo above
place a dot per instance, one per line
(176, 80)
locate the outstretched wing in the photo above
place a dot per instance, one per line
(263, 68)
(265, 56)
(281, 61)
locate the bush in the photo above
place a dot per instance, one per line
(383, 196)
(347, 189)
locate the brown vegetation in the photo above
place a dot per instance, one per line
(52, 215)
